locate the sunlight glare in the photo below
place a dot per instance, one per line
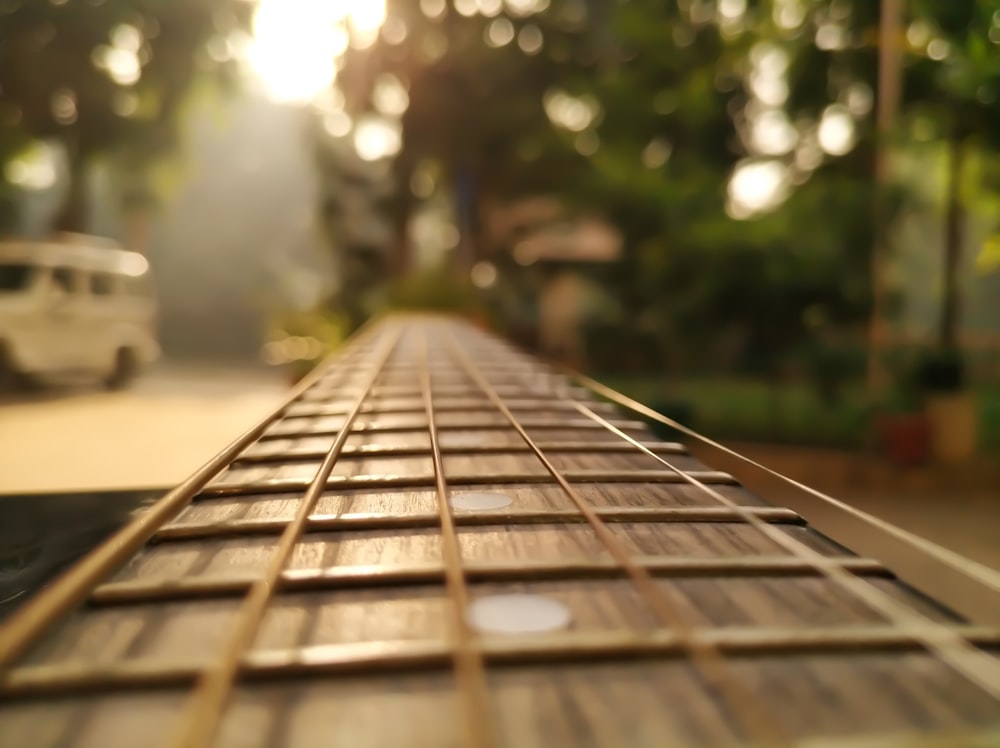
(570, 112)
(122, 66)
(484, 275)
(337, 124)
(296, 42)
(772, 133)
(376, 138)
(836, 130)
(499, 33)
(34, 170)
(656, 153)
(390, 97)
(757, 187)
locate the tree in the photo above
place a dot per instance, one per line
(955, 83)
(683, 135)
(104, 77)
(476, 87)
(673, 114)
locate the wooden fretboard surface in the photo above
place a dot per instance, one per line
(311, 588)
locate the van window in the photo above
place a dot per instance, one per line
(64, 279)
(102, 284)
(15, 277)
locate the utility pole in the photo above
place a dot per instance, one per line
(888, 97)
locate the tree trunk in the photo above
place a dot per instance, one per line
(401, 250)
(401, 208)
(10, 214)
(953, 240)
(466, 207)
(73, 214)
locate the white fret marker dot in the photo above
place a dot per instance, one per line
(518, 614)
(480, 501)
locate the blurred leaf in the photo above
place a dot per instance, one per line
(988, 259)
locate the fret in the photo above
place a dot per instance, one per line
(223, 486)
(824, 649)
(249, 555)
(314, 449)
(402, 521)
(338, 577)
(353, 711)
(511, 391)
(531, 497)
(193, 630)
(331, 425)
(384, 406)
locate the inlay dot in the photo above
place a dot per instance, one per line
(517, 614)
(480, 501)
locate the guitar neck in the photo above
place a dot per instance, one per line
(441, 541)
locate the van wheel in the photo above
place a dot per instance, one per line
(8, 378)
(125, 369)
(11, 380)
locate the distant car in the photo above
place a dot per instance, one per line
(80, 305)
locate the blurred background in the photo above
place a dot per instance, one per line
(777, 221)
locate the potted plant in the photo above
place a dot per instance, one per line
(949, 405)
(299, 340)
(902, 425)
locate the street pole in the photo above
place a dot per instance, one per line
(889, 91)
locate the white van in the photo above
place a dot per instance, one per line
(75, 305)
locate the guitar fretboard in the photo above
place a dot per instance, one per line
(439, 541)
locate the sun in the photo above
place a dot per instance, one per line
(296, 43)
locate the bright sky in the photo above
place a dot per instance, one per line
(296, 42)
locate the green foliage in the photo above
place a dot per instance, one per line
(54, 86)
(697, 284)
(434, 291)
(327, 326)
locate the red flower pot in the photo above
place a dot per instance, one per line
(906, 437)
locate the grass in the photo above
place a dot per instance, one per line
(792, 414)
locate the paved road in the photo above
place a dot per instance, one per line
(155, 434)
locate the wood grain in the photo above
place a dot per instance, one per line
(633, 703)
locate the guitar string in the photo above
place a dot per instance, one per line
(204, 711)
(37, 616)
(978, 572)
(470, 670)
(973, 664)
(705, 656)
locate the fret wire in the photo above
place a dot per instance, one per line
(979, 573)
(365, 658)
(367, 450)
(346, 577)
(372, 482)
(974, 665)
(355, 522)
(540, 424)
(289, 414)
(705, 658)
(26, 625)
(203, 712)
(470, 673)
